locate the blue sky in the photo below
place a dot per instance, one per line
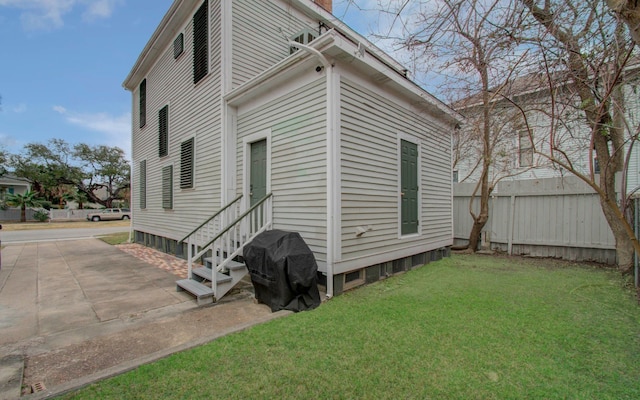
(64, 62)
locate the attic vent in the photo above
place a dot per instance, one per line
(178, 46)
(305, 36)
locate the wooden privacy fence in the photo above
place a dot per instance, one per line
(554, 217)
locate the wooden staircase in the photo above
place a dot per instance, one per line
(223, 237)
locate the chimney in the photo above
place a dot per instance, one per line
(326, 4)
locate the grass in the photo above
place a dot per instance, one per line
(115, 238)
(468, 327)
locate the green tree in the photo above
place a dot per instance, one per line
(105, 169)
(28, 199)
(100, 172)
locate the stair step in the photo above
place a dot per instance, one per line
(202, 292)
(234, 265)
(207, 274)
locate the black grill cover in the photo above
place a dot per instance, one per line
(283, 271)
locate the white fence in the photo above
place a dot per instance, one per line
(13, 215)
(556, 217)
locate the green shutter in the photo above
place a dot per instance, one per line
(167, 187)
(143, 103)
(163, 131)
(143, 184)
(409, 187)
(186, 164)
(200, 43)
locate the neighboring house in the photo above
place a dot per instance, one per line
(514, 157)
(282, 104)
(11, 184)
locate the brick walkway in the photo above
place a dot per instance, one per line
(175, 265)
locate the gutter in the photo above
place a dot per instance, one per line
(331, 160)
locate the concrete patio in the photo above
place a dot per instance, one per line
(72, 312)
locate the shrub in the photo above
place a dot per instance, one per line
(41, 216)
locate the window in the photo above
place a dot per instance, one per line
(455, 176)
(200, 42)
(525, 148)
(178, 46)
(163, 131)
(143, 103)
(409, 187)
(143, 184)
(186, 164)
(306, 36)
(167, 187)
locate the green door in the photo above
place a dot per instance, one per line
(409, 188)
(258, 172)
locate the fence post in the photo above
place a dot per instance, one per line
(511, 222)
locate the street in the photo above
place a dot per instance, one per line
(43, 235)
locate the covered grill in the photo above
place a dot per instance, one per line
(283, 271)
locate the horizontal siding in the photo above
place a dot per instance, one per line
(370, 127)
(298, 160)
(260, 36)
(194, 111)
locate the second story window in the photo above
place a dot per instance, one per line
(163, 131)
(143, 103)
(525, 147)
(200, 42)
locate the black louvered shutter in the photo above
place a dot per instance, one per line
(143, 103)
(163, 131)
(143, 184)
(200, 43)
(186, 164)
(167, 187)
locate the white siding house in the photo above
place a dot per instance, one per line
(294, 104)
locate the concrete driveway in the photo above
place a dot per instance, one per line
(76, 311)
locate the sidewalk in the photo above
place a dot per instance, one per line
(77, 311)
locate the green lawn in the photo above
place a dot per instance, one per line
(468, 327)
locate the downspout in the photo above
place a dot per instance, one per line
(331, 161)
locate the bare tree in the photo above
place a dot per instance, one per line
(629, 12)
(472, 43)
(584, 52)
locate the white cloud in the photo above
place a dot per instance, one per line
(99, 9)
(59, 109)
(49, 14)
(116, 129)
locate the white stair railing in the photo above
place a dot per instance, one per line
(205, 232)
(230, 241)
